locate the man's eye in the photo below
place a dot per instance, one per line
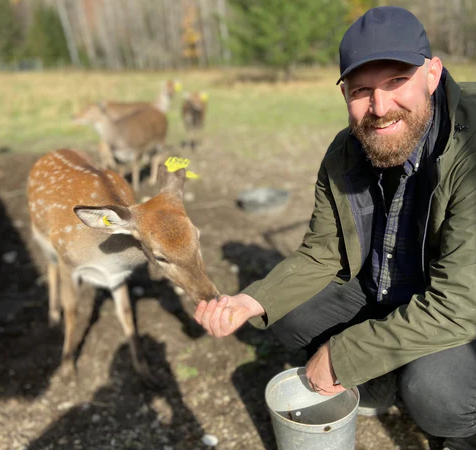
(161, 259)
(360, 90)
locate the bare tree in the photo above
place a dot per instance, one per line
(68, 32)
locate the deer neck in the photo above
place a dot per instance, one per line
(162, 103)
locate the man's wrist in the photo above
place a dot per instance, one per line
(253, 305)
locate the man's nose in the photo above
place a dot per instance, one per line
(380, 103)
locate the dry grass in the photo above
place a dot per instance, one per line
(244, 105)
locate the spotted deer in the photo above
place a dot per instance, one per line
(90, 229)
(131, 138)
(117, 110)
(194, 108)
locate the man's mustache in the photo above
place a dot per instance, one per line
(375, 121)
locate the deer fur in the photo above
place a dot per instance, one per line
(131, 137)
(91, 230)
(117, 110)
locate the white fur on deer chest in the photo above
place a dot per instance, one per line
(107, 263)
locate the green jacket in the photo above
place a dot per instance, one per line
(441, 318)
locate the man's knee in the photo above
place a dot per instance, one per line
(440, 401)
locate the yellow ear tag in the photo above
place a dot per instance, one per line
(204, 97)
(190, 174)
(174, 163)
(178, 86)
(105, 221)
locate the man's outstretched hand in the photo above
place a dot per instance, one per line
(227, 315)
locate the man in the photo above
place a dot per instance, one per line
(382, 291)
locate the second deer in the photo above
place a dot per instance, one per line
(131, 138)
(91, 230)
(194, 108)
(118, 110)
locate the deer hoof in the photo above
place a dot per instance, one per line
(68, 369)
(54, 319)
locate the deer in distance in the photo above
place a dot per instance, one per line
(132, 137)
(90, 230)
(117, 110)
(194, 108)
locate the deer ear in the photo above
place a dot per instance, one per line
(108, 219)
(172, 181)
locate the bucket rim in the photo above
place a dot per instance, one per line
(294, 372)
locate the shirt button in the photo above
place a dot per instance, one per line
(384, 292)
(389, 256)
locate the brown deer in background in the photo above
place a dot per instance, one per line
(91, 230)
(118, 110)
(130, 138)
(194, 108)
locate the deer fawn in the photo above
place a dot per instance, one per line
(90, 230)
(194, 108)
(118, 110)
(141, 133)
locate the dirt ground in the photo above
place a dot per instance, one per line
(207, 386)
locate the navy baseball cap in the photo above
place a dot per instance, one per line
(385, 32)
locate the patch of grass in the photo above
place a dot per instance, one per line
(185, 372)
(37, 107)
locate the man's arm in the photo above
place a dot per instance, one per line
(293, 281)
(311, 267)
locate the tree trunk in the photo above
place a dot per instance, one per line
(68, 32)
(223, 27)
(86, 33)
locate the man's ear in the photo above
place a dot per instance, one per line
(342, 89)
(435, 68)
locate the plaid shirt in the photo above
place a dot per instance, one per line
(392, 272)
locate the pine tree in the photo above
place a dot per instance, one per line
(283, 33)
(10, 32)
(45, 39)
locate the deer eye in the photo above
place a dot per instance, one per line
(161, 259)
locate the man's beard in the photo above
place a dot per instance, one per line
(393, 150)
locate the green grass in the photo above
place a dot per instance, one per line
(37, 107)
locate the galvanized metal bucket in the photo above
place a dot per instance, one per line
(305, 420)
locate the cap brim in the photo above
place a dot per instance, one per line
(415, 59)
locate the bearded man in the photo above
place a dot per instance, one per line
(382, 291)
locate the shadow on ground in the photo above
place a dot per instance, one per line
(24, 372)
(123, 414)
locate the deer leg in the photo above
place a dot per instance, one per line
(106, 156)
(154, 166)
(124, 314)
(69, 301)
(54, 307)
(136, 175)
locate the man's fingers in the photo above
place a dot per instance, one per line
(206, 314)
(199, 311)
(215, 318)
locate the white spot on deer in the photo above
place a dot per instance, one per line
(110, 176)
(68, 229)
(40, 201)
(94, 196)
(61, 242)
